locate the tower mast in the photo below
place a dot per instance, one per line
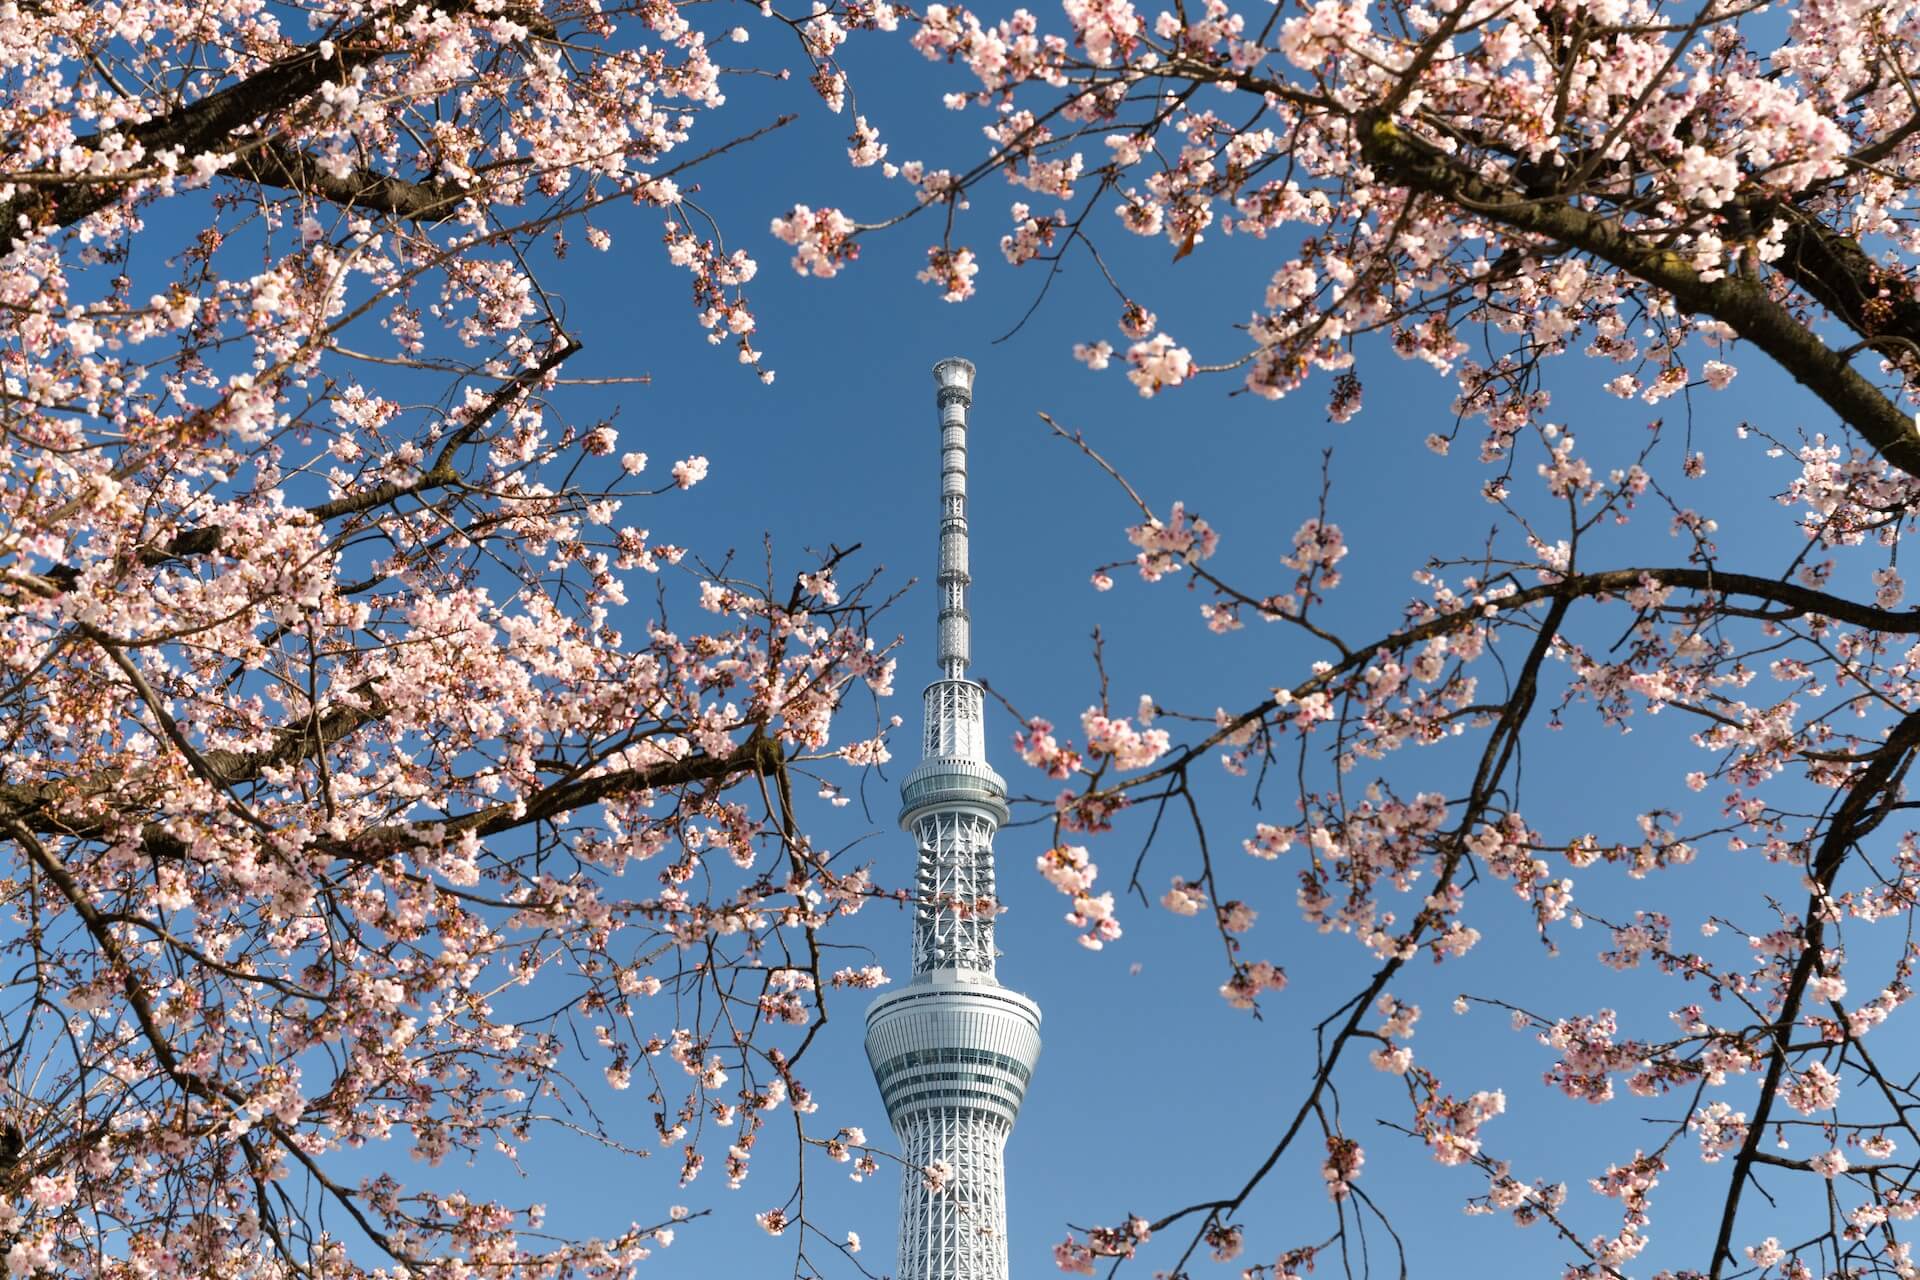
(953, 1050)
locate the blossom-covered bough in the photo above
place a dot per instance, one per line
(1664, 189)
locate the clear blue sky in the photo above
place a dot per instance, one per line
(1152, 1092)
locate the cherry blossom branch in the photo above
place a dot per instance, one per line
(1737, 301)
(206, 124)
(1801, 599)
(1855, 817)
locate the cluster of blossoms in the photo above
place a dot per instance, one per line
(1078, 1257)
(849, 1146)
(1115, 738)
(1398, 1026)
(1036, 745)
(1184, 899)
(1249, 982)
(1157, 364)
(1317, 547)
(821, 239)
(1067, 868)
(1451, 1126)
(1166, 545)
(1344, 1158)
(952, 271)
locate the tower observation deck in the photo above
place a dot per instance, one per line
(953, 1050)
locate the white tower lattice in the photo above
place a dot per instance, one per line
(953, 1050)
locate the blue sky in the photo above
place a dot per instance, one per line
(1152, 1092)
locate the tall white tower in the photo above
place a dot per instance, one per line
(953, 1049)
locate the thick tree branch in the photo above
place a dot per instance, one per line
(279, 165)
(84, 808)
(756, 755)
(1742, 303)
(1841, 276)
(212, 123)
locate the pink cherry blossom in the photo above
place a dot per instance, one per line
(689, 471)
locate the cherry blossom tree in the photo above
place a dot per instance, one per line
(1669, 191)
(325, 755)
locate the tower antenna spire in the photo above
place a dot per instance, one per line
(955, 378)
(954, 1050)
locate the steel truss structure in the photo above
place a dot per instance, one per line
(953, 1050)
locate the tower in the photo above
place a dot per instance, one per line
(953, 1050)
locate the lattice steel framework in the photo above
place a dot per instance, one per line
(954, 904)
(961, 1230)
(953, 1050)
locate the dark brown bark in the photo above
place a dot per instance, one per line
(86, 808)
(1738, 301)
(277, 164)
(1835, 271)
(222, 120)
